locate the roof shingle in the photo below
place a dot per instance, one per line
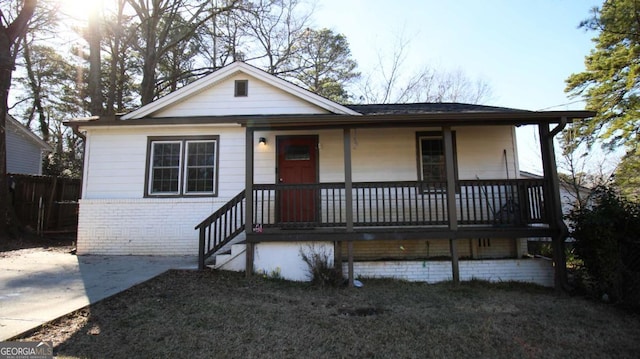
(419, 108)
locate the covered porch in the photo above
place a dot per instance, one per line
(354, 211)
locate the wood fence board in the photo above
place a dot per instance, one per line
(45, 203)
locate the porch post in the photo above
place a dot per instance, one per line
(348, 195)
(248, 215)
(553, 205)
(451, 200)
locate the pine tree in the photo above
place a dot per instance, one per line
(610, 83)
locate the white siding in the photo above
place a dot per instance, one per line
(331, 155)
(115, 218)
(24, 156)
(390, 154)
(480, 152)
(219, 100)
(115, 159)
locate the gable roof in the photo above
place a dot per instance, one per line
(227, 71)
(25, 132)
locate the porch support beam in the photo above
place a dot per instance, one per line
(373, 234)
(451, 200)
(248, 219)
(348, 196)
(553, 205)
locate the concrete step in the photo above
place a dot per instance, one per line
(233, 261)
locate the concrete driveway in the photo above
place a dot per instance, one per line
(39, 285)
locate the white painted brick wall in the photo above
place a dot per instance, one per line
(285, 258)
(142, 226)
(538, 271)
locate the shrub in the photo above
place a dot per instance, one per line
(322, 272)
(606, 235)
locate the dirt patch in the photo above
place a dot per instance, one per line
(22, 241)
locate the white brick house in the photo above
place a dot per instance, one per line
(418, 191)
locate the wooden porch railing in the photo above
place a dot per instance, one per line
(411, 203)
(376, 204)
(220, 228)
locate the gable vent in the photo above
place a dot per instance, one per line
(241, 88)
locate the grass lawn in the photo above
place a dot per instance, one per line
(207, 314)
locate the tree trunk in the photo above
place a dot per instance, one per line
(6, 66)
(9, 34)
(148, 85)
(35, 89)
(95, 86)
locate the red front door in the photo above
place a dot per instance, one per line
(298, 164)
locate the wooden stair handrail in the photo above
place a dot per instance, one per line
(220, 228)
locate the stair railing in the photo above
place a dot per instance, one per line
(220, 228)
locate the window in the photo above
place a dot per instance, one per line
(297, 153)
(178, 166)
(241, 88)
(431, 157)
(165, 168)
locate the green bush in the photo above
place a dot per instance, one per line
(606, 234)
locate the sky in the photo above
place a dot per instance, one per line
(523, 49)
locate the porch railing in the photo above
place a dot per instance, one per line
(391, 204)
(221, 227)
(409, 203)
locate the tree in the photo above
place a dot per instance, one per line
(119, 41)
(93, 36)
(177, 67)
(51, 91)
(159, 19)
(274, 29)
(610, 83)
(627, 176)
(581, 171)
(10, 33)
(325, 65)
(392, 82)
(223, 42)
(263, 32)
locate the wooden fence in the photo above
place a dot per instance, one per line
(45, 203)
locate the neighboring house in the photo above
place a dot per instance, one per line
(569, 195)
(25, 150)
(266, 169)
(568, 192)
